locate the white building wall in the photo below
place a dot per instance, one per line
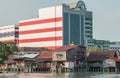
(50, 12)
(47, 44)
(40, 35)
(9, 38)
(37, 26)
(36, 34)
(5, 29)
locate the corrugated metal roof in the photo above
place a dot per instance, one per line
(27, 55)
(30, 55)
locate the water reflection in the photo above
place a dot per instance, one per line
(71, 75)
(63, 75)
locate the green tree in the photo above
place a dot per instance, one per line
(7, 49)
(12, 47)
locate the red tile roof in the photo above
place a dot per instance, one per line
(102, 55)
(44, 54)
(68, 47)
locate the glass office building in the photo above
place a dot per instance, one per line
(73, 25)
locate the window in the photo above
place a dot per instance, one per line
(75, 28)
(66, 29)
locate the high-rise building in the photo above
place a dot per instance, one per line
(9, 33)
(80, 5)
(88, 25)
(56, 26)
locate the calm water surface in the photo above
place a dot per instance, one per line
(61, 75)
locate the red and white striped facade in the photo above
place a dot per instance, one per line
(7, 33)
(45, 31)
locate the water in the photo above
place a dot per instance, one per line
(61, 75)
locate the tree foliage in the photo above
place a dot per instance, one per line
(7, 48)
(93, 49)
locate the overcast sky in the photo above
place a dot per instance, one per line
(106, 14)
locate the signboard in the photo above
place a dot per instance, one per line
(69, 64)
(109, 63)
(59, 56)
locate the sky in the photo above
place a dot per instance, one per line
(106, 14)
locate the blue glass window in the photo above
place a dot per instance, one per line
(75, 28)
(82, 30)
(7, 34)
(65, 29)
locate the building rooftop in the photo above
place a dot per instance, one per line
(23, 55)
(44, 54)
(102, 55)
(68, 47)
(10, 59)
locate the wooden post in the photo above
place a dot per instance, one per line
(115, 69)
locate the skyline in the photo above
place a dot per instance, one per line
(105, 15)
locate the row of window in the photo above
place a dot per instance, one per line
(104, 47)
(88, 19)
(114, 47)
(7, 28)
(90, 32)
(8, 34)
(88, 27)
(101, 42)
(88, 23)
(89, 36)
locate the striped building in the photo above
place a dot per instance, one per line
(55, 27)
(9, 33)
